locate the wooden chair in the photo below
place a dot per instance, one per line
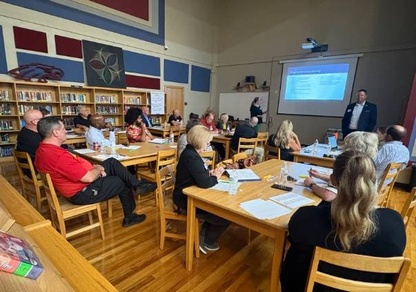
(209, 158)
(247, 144)
(394, 265)
(262, 141)
(32, 187)
(269, 150)
(165, 186)
(386, 183)
(176, 130)
(164, 157)
(62, 210)
(409, 206)
(238, 156)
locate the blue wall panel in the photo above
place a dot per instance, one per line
(73, 70)
(200, 79)
(143, 64)
(176, 71)
(3, 63)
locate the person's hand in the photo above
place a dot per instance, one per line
(315, 173)
(307, 181)
(218, 172)
(103, 173)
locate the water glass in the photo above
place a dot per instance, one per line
(233, 185)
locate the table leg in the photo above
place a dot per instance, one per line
(227, 149)
(279, 250)
(190, 233)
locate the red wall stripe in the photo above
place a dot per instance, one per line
(142, 82)
(137, 8)
(68, 47)
(28, 39)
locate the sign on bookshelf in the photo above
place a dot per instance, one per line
(157, 103)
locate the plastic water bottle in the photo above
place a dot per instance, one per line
(171, 137)
(315, 147)
(284, 171)
(233, 185)
(112, 139)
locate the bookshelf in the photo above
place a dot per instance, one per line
(62, 100)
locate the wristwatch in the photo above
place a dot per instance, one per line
(311, 185)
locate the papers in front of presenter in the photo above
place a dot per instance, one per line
(275, 207)
(160, 140)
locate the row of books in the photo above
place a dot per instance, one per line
(6, 125)
(35, 96)
(6, 151)
(72, 97)
(105, 99)
(24, 108)
(4, 95)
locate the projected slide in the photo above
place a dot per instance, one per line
(319, 82)
(317, 86)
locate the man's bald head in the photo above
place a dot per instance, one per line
(395, 133)
(254, 121)
(31, 118)
(97, 121)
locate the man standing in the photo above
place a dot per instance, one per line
(94, 133)
(28, 139)
(360, 115)
(81, 182)
(393, 151)
(175, 119)
(145, 116)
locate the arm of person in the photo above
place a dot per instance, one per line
(296, 146)
(93, 174)
(146, 133)
(321, 192)
(200, 174)
(317, 174)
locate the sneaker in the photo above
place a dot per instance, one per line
(136, 219)
(145, 187)
(202, 248)
(211, 247)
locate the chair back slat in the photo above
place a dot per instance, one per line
(409, 206)
(247, 144)
(271, 152)
(209, 158)
(386, 183)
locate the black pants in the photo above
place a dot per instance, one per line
(213, 226)
(117, 182)
(220, 149)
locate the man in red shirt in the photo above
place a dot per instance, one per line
(81, 182)
(208, 121)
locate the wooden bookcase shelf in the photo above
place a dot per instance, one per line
(62, 100)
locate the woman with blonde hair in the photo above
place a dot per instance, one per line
(223, 122)
(191, 171)
(286, 140)
(352, 223)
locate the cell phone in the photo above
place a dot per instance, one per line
(281, 187)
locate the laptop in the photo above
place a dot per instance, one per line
(332, 141)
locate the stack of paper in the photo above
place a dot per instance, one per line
(223, 185)
(262, 209)
(84, 151)
(292, 200)
(103, 157)
(159, 141)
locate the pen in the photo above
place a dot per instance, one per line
(267, 176)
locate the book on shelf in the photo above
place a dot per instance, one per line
(18, 258)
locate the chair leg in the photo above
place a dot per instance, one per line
(197, 251)
(90, 218)
(109, 208)
(100, 220)
(162, 233)
(248, 236)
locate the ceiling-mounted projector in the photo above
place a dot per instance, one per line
(314, 46)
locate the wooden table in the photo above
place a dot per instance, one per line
(219, 138)
(306, 155)
(146, 153)
(163, 131)
(226, 206)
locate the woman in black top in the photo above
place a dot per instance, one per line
(351, 223)
(256, 111)
(191, 171)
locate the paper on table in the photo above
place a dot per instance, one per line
(84, 151)
(262, 209)
(159, 141)
(244, 174)
(103, 157)
(223, 186)
(130, 147)
(291, 200)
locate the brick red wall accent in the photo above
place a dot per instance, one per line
(68, 47)
(137, 8)
(142, 82)
(28, 39)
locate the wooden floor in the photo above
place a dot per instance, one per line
(131, 260)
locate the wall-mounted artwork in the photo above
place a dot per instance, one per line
(104, 65)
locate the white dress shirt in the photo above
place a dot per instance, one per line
(356, 112)
(96, 135)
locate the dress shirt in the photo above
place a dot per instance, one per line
(358, 108)
(148, 121)
(391, 152)
(96, 135)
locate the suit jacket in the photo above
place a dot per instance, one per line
(147, 120)
(367, 120)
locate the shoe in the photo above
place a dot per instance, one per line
(211, 247)
(136, 219)
(145, 187)
(202, 248)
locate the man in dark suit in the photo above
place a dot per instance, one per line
(147, 120)
(360, 115)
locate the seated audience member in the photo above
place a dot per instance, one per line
(223, 122)
(381, 133)
(83, 183)
(191, 171)
(352, 223)
(286, 140)
(28, 138)
(193, 116)
(247, 130)
(393, 150)
(94, 133)
(146, 116)
(136, 130)
(208, 121)
(182, 142)
(82, 120)
(175, 119)
(364, 142)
